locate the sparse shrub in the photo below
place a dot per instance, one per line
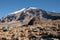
(14, 39)
(5, 28)
(4, 39)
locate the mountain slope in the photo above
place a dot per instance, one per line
(26, 14)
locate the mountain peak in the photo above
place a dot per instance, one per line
(23, 9)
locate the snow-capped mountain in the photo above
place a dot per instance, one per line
(25, 15)
(30, 24)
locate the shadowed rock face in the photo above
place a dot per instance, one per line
(28, 14)
(52, 16)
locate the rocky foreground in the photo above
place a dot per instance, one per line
(42, 31)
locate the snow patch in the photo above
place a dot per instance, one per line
(18, 11)
(31, 8)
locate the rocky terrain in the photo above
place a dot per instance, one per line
(30, 24)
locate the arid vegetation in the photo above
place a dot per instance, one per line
(49, 30)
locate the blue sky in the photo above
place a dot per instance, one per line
(8, 6)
